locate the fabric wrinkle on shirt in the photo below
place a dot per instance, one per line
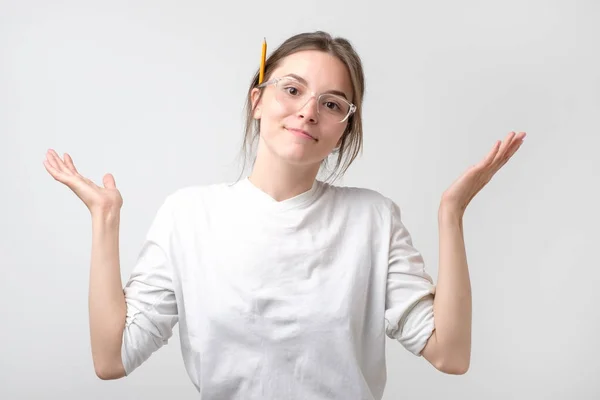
(278, 300)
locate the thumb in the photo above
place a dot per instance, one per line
(109, 181)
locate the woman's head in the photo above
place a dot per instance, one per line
(310, 103)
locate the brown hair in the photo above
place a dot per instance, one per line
(351, 141)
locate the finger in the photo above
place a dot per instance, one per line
(56, 162)
(51, 160)
(516, 144)
(503, 148)
(512, 151)
(56, 173)
(489, 158)
(70, 165)
(493, 153)
(109, 181)
(506, 147)
(64, 175)
(51, 170)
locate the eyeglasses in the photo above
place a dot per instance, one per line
(294, 95)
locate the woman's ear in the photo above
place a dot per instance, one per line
(255, 101)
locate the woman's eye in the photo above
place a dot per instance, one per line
(331, 105)
(292, 90)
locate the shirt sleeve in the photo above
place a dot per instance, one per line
(149, 295)
(409, 291)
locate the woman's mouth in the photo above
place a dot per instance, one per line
(301, 133)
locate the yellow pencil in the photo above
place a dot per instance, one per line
(262, 61)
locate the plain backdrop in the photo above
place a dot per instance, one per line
(153, 92)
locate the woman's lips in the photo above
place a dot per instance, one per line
(301, 133)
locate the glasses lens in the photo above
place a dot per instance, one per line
(333, 107)
(294, 96)
(292, 93)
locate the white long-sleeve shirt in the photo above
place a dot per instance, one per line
(278, 300)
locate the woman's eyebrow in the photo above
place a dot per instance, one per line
(302, 80)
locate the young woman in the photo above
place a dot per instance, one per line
(284, 286)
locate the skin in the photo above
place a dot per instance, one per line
(287, 164)
(106, 300)
(449, 348)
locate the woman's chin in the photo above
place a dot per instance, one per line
(299, 155)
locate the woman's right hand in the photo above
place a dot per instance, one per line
(97, 199)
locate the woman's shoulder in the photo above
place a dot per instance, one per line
(357, 196)
(201, 189)
(195, 194)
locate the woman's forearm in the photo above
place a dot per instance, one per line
(452, 303)
(107, 306)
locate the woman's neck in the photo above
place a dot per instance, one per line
(280, 179)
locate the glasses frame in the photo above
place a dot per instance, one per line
(275, 81)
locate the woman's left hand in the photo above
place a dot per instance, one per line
(458, 196)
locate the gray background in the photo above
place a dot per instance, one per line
(152, 91)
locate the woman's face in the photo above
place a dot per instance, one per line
(298, 132)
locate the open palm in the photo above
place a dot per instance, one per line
(462, 191)
(96, 198)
